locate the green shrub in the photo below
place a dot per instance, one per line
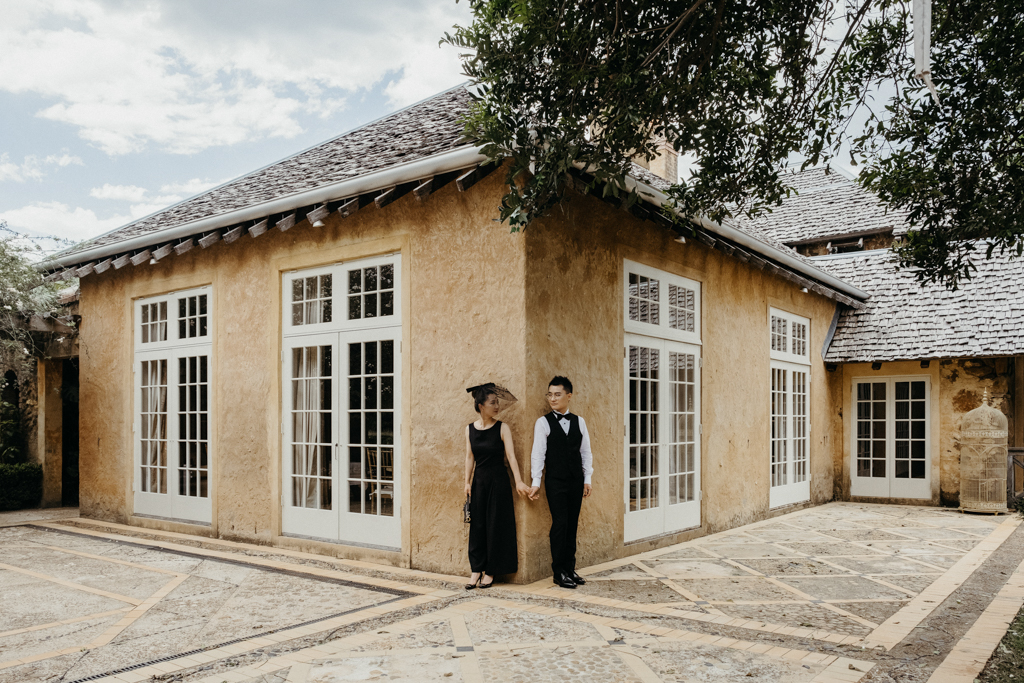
(21, 486)
(12, 438)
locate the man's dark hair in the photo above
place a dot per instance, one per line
(559, 381)
(480, 395)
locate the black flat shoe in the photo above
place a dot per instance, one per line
(564, 581)
(577, 579)
(471, 586)
(486, 585)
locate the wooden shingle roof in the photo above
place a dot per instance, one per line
(903, 320)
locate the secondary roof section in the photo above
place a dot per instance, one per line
(904, 320)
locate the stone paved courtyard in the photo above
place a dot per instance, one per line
(841, 592)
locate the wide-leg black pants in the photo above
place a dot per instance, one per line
(565, 498)
(492, 526)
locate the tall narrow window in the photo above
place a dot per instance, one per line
(662, 423)
(193, 426)
(172, 424)
(371, 428)
(789, 443)
(312, 434)
(682, 425)
(644, 387)
(153, 437)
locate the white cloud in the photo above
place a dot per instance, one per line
(189, 187)
(142, 203)
(187, 75)
(127, 193)
(32, 168)
(64, 159)
(60, 220)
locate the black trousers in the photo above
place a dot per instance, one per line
(492, 529)
(565, 498)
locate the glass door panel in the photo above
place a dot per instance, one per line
(371, 515)
(789, 438)
(310, 429)
(662, 437)
(173, 436)
(683, 509)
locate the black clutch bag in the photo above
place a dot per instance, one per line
(465, 511)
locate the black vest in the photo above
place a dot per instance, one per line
(563, 460)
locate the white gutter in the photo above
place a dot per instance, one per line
(757, 245)
(462, 157)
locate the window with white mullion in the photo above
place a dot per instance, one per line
(153, 433)
(789, 406)
(801, 426)
(660, 304)
(780, 426)
(644, 387)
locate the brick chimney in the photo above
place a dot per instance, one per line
(665, 165)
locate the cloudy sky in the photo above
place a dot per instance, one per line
(112, 109)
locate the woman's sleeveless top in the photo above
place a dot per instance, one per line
(488, 448)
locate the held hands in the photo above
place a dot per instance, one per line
(522, 489)
(534, 492)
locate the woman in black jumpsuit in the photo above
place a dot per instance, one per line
(492, 526)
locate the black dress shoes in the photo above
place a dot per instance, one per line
(577, 579)
(564, 580)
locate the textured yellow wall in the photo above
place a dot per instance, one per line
(957, 388)
(480, 304)
(576, 257)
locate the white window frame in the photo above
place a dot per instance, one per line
(890, 486)
(338, 524)
(172, 504)
(785, 485)
(339, 273)
(666, 517)
(662, 329)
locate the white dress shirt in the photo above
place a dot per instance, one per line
(542, 430)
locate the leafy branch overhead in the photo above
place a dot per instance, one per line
(737, 89)
(23, 294)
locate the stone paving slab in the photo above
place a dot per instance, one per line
(815, 596)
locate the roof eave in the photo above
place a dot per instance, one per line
(462, 157)
(758, 246)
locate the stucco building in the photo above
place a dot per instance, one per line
(282, 359)
(915, 358)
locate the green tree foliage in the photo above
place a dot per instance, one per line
(23, 294)
(955, 165)
(738, 88)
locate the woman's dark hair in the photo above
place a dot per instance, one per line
(480, 395)
(559, 381)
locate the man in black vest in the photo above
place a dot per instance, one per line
(561, 444)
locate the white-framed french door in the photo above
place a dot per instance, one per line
(662, 436)
(891, 439)
(341, 372)
(172, 406)
(341, 436)
(790, 434)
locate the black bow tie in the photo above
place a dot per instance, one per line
(563, 417)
